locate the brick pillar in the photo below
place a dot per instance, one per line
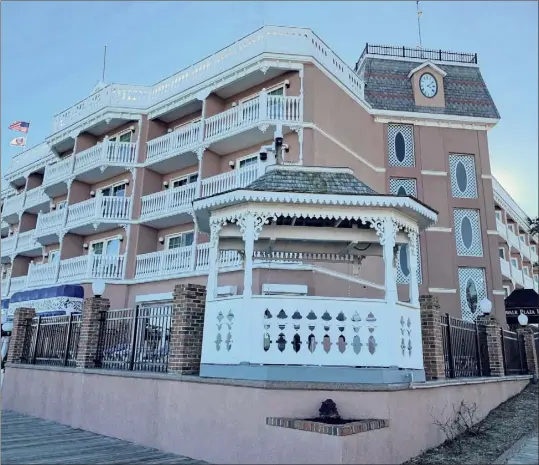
(89, 330)
(492, 330)
(431, 334)
(18, 334)
(529, 348)
(187, 325)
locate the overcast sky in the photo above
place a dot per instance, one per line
(52, 55)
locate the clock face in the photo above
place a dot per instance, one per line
(428, 85)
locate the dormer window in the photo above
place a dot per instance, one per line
(428, 85)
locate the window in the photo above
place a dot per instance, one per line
(511, 227)
(472, 291)
(54, 256)
(499, 215)
(184, 180)
(533, 248)
(180, 240)
(468, 233)
(110, 246)
(501, 251)
(514, 262)
(526, 270)
(403, 186)
(122, 137)
(536, 278)
(179, 126)
(116, 190)
(522, 238)
(248, 161)
(463, 183)
(400, 142)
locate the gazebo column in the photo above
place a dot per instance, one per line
(388, 244)
(213, 262)
(247, 225)
(413, 245)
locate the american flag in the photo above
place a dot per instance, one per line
(20, 126)
(18, 142)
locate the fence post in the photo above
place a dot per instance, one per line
(186, 328)
(431, 335)
(478, 349)
(68, 338)
(134, 328)
(90, 326)
(532, 362)
(449, 341)
(18, 334)
(494, 345)
(36, 340)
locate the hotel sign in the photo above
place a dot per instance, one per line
(513, 313)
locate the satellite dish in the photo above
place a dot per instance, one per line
(522, 319)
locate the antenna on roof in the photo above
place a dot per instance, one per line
(419, 14)
(104, 65)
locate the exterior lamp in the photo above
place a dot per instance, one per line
(485, 306)
(522, 319)
(98, 287)
(232, 164)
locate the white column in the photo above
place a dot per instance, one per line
(413, 251)
(388, 244)
(200, 157)
(249, 239)
(213, 262)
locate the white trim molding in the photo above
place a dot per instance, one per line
(492, 232)
(487, 176)
(416, 60)
(433, 119)
(426, 64)
(441, 290)
(498, 292)
(433, 173)
(439, 229)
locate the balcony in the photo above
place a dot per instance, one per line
(90, 216)
(13, 206)
(533, 257)
(267, 40)
(27, 245)
(501, 228)
(506, 268)
(95, 164)
(36, 200)
(32, 201)
(169, 207)
(173, 262)
(162, 150)
(525, 250)
(8, 245)
(76, 270)
(17, 284)
(235, 179)
(528, 282)
(513, 239)
(517, 275)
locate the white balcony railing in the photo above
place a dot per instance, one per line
(27, 241)
(501, 228)
(533, 256)
(17, 284)
(13, 204)
(269, 39)
(8, 245)
(513, 239)
(506, 268)
(235, 179)
(35, 197)
(5, 287)
(517, 275)
(97, 209)
(50, 222)
(528, 282)
(525, 250)
(181, 260)
(58, 171)
(175, 142)
(167, 201)
(76, 269)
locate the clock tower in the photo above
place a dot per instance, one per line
(428, 85)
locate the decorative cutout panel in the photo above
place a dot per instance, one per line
(400, 186)
(400, 143)
(468, 233)
(463, 180)
(403, 269)
(472, 291)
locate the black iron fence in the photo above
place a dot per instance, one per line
(464, 346)
(421, 53)
(52, 340)
(514, 353)
(135, 338)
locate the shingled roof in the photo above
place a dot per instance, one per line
(387, 87)
(310, 180)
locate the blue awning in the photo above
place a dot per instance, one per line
(5, 304)
(68, 290)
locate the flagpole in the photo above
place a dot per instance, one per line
(25, 139)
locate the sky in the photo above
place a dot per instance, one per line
(52, 55)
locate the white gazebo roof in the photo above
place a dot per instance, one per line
(332, 191)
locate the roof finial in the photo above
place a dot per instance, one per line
(104, 65)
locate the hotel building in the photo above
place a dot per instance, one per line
(108, 195)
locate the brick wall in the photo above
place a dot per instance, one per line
(431, 333)
(18, 334)
(529, 348)
(89, 330)
(492, 332)
(187, 326)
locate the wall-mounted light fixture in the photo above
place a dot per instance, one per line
(232, 164)
(85, 246)
(234, 104)
(132, 128)
(169, 130)
(287, 83)
(165, 184)
(126, 181)
(45, 255)
(53, 206)
(92, 193)
(120, 238)
(161, 240)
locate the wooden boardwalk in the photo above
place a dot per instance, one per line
(29, 440)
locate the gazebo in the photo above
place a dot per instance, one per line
(312, 213)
